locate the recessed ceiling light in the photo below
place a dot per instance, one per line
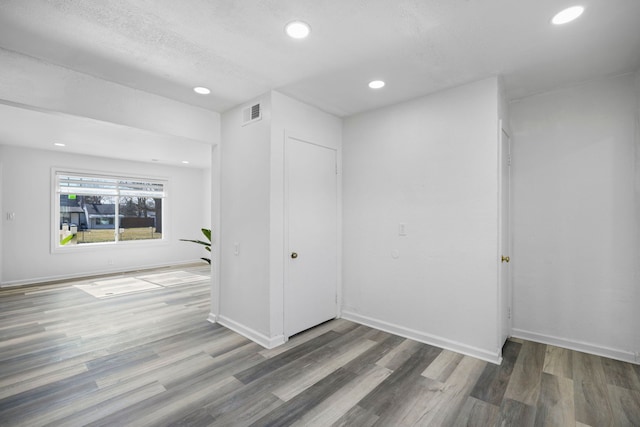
(376, 84)
(567, 15)
(186, 162)
(59, 144)
(297, 29)
(201, 90)
(155, 160)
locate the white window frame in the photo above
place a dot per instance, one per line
(55, 205)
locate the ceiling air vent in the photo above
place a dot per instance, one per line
(251, 114)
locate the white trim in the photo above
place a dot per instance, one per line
(598, 350)
(339, 213)
(500, 312)
(94, 273)
(423, 337)
(252, 334)
(212, 318)
(503, 312)
(285, 230)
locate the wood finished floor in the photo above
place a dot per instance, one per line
(151, 358)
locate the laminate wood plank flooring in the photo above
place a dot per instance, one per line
(524, 383)
(151, 359)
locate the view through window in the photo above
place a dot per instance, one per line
(106, 209)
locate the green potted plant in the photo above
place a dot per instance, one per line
(207, 244)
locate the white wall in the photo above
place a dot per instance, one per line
(244, 278)
(26, 241)
(431, 164)
(575, 217)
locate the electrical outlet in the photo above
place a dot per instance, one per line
(402, 229)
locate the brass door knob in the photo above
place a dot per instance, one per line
(294, 255)
(505, 258)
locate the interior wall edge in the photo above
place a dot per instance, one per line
(250, 333)
(637, 212)
(87, 275)
(85, 118)
(215, 210)
(2, 220)
(425, 338)
(585, 347)
(570, 86)
(64, 90)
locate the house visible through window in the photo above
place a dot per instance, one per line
(104, 209)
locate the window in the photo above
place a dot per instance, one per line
(93, 209)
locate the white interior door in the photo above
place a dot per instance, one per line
(311, 235)
(505, 237)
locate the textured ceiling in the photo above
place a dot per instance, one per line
(238, 47)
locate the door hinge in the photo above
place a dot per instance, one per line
(509, 313)
(509, 161)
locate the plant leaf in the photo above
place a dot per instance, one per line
(207, 233)
(66, 239)
(200, 242)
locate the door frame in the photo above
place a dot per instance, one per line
(285, 238)
(504, 312)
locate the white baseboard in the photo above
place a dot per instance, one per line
(93, 274)
(252, 334)
(423, 337)
(213, 318)
(625, 356)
